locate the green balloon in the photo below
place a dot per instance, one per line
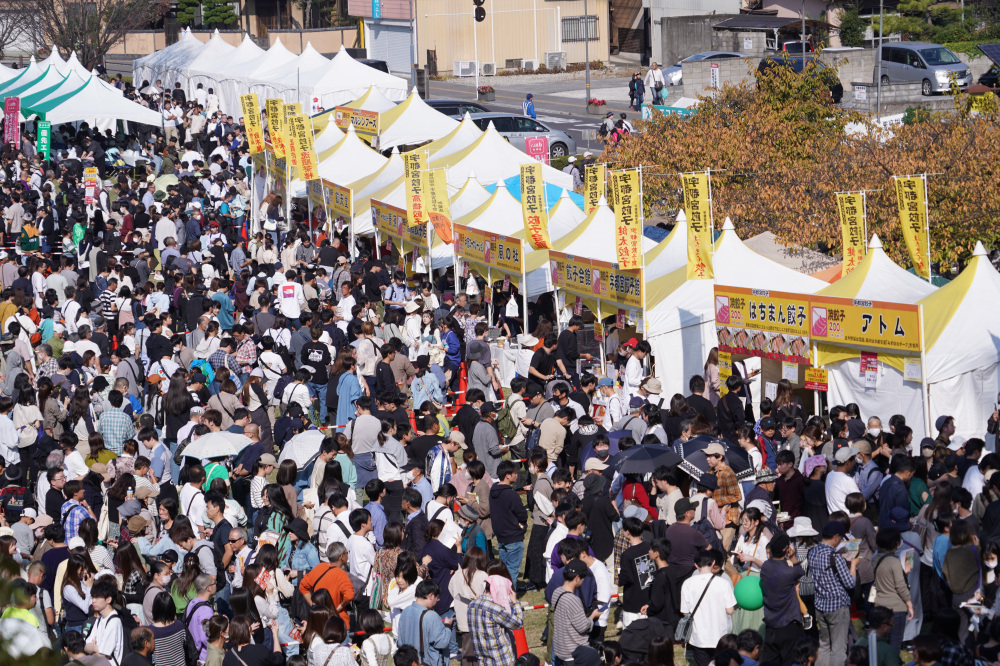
(749, 594)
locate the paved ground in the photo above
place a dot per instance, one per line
(560, 101)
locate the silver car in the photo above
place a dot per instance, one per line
(515, 128)
(672, 75)
(931, 65)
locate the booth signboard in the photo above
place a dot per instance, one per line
(879, 324)
(250, 106)
(817, 379)
(340, 199)
(275, 120)
(91, 185)
(317, 192)
(393, 222)
(12, 120)
(767, 324)
(504, 253)
(365, 122)
(597, 279)
(725, 370)
(44, 137)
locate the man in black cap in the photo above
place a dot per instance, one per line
(685, 540)
(486, 439)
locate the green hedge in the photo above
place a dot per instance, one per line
(970, 49)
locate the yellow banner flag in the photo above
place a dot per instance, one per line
(438, 208)
(593, 187)
(289, 111)
(628, 217)
(852, 228)
(698, 208)
(302, 147)
(414, 163)
(251, 119)
(911, 195)
(533, 208)
(275, 121)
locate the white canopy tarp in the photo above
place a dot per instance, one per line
(413, 122)
(373, 100)
(459, 138)
(168, 63)
(23, 76)
(71, 83)
(345, 79)
(239, 79)
(328, 138)
(214, 54)
(54, 60)
(285, 79)
(878, 278)
(215, 75)
(7, 73)
(365, 189)
(681, 312)
(349, 158)
(93, 103)
(564, 217)
(24, 87)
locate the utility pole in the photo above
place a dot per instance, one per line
(878, 66)
(803, 33)
(413, 45)
(586, 46)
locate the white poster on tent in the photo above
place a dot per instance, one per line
(911, 371)
(790, 371)
(770, 390)
(871, 379)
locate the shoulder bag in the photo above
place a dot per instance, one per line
(686, 624)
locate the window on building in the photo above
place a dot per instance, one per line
(579, 28)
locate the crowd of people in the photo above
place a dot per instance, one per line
(393, 496)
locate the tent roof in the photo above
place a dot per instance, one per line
(461, 137)
(878, 278)
(167, 63)
(372, 100)
(553, 193)
(364, 188)
(216, 49)
(223, 64)
(675, 302)
(69, 84)
(413, 122)
(270, 59)
(960, 334)
(285, 75)
(594, 238)
(328, 138)
(492, 158)
(345, 79)
(500, 214)
(49, 78)
(670, 253)
(7, 73)
(348, 158)
(26, 75)
(54, 59)
(94, 103)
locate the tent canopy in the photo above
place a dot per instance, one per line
(69, 84)
(878, 278)
(168, 64)
(413, 122)
(285, 76)
(347, 159)
(49, 78)
(594, 238)
(54, 60)
(215, 52)
(345, 79)
(553, 193)
(460, 138)
(28, 75)
(92, 103)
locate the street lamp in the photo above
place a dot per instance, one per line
(586, 46)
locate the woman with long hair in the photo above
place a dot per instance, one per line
(387, 556)
(226, 402)
(182, 589)
(54, 405)
(246, 653)
(82, 416)
(125, 463)
(167, 511)
(26, 412)
(332, 651)
(748, 555)
(77, 582)
(216, 634)
(98, 452)
(312, 634)
(99, 555)
(712, 382)
(274, 516)
(132, 568)
(345, 458)
(453, 343)
(269, 607)
(177, 403)
(349, 389)
(210, 343)
(255, 399)
(288, 471)
(402, 586)
(787, 405)
(304, 555)
(332, 482)
(160, 575)
(169, 633)
(467, 584)
(377, 646)
(369, 355)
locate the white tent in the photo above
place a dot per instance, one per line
(216, 51)
(492, 159)
(372, 100)
(681, 314)
(239, 79)
(595, 237)
(460, 138)
(328, 138)
(7, 73)
(876, 278)
(962, 339)
(23, 87)
(55, 60)
(285, 79)
(345, 79)
(670, 253)
(365, 189)
(215, 74)
(71, 83)
(411, 123)
(94, 104)
(350, 158)
(168, 63)
(22, 76)
(564, 218)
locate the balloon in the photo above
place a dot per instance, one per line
(749, 594)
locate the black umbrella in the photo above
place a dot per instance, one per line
(644, 458)
(696, 463)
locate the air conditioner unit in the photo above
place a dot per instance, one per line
(464, 68)
(555, 59)
(529, 65)
(489, 69)
(513, 63)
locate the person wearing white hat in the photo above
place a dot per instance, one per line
(574, 171)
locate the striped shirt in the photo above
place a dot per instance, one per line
(108, 304)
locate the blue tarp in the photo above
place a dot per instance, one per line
(552, 192)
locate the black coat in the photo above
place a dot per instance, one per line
(413, 535)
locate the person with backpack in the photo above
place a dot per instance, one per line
(107, 633)
(728, 495)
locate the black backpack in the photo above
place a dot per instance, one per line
(707, 529)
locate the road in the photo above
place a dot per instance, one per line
(561, 112)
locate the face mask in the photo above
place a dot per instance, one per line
(859, 460)
(176, 349)
(468, 477)
(409, 477)
(991, 564)
(603, 454)
(874, 432)
(927, 453)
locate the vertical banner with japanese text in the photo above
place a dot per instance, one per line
(911, 196)
(698, 208)
(289, 111)
(414, 163)
(627, 197)
(44, 137)
(593, 187)
(91, 185)
(251, 119)
(275, 119)
(533, 208)
(435, 183)
(301, 131)
(853, 226)
(12, 121)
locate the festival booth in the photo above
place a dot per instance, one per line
(167, 64)
(203, 70)
(866, 327)
(372, 102)
(92, 103)
(412, 123)
(345, 79)
(238, 78)
(285, 80)
(54, 60)
(962, 339)
(681, 316)
(348, 158)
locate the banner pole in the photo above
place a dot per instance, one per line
(927, 229)
(711, 213)
(815, 364)
(642, 256)
(925, 389)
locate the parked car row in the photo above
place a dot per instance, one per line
(512, 126)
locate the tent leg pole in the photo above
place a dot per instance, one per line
(924, 387)
(815, 358)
